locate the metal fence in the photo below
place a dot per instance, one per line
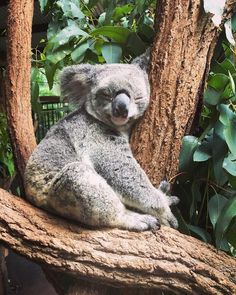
(51, 110)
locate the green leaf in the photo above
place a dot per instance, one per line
(189, 145)
(232, 83)
(228, 118)
(216, 8)
(218, 81)
(233, 22)
(121, 11)
(43, 4)
(227, 65)
(231, 233)
(111, 52)
(66, 34)
(215, 206)
(75, 10)
(118, 34)
(78, 53)
(229, 164)
(200, 232)
(59, 54)
(226, 115)
(204, 151)
(212, 96)
(110, 7)
(50, 70)
(224, 220)
(218, 153)
(230, 136)
(135, 44)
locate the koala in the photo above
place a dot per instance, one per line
(84, 168)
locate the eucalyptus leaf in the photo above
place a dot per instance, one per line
(200, 232)
(218, 81)
(219, 152)
(226, 115)
(203, 152)
(111, 52)
(226, 216)
(135, 44)
(212, 96)
(229, 164)
(228, 118)
(215, 206)
(43, 4)
(118, 34)
(232, 83)
(66, 34)
(189, 145)
(78, 53)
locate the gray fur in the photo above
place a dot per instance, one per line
(84, 168)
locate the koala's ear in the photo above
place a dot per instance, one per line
(143, 60)
(76, 82)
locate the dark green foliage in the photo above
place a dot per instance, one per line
(95, 32)
(207, 180)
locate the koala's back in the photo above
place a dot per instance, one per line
(77, 137)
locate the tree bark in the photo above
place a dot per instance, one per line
(165, 259)
(19, 28)
(181, 54)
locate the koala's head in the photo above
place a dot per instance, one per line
(116, 94)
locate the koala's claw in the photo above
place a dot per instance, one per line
(147, 222)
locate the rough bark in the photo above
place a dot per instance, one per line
(181, 54)
(165, 259)
(19, 24)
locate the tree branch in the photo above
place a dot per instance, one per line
(165, 259)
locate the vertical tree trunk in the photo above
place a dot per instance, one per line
(19, 28)
(181, 54)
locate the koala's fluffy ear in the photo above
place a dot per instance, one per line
(76, 82)
(143, 60)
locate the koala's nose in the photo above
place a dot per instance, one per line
(120, 105)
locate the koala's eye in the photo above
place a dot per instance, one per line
(104, 94)
(139, 98)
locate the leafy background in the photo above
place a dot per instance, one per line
(117, 31)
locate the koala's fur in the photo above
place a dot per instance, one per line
(84, 168)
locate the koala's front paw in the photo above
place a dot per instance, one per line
(162, 210)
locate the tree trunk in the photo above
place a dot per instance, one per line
(19, 27)
(165, 259)
(181, 54)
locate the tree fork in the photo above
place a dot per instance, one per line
(181, 54)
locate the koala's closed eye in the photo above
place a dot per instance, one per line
(104, 94)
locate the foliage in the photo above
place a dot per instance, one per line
(95, 32)
(207, 180)
(6, 157)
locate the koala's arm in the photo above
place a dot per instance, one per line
(125, 175)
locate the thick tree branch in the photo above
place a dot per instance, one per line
(181, 55)
(166, 259)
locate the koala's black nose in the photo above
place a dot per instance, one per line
(120, 105)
